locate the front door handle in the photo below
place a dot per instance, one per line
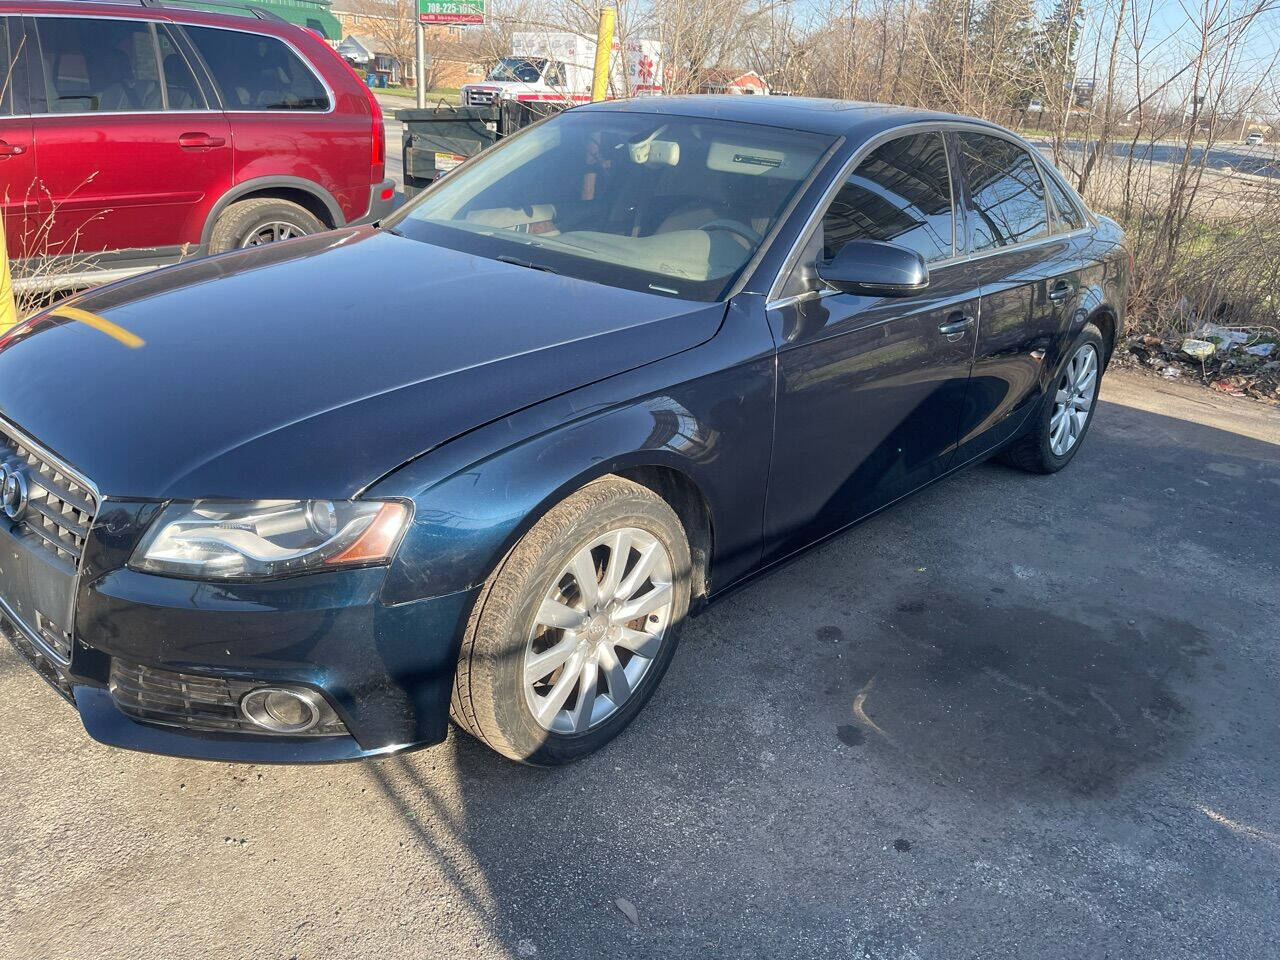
(1060, 291)
(956, 325)
(11, 149)
(197, 141)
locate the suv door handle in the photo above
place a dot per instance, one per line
(1060, 291)
(956, 325)
(11, 149)
(196, 141)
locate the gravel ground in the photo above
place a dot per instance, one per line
(1020, 716)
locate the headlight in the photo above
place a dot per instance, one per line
(269, 538)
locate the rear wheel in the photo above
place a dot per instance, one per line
(574, 630)
(262, 220)
(1057, 432)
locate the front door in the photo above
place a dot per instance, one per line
(132, 155)
(870, 389)
(19, 198)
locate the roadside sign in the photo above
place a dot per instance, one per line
(451, 11)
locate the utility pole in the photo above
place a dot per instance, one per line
(604, 51)
(420, 81)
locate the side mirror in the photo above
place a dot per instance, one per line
(876, 268)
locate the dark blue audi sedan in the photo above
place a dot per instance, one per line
(309, 501)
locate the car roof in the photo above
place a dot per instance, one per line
(846, 118)
(240, 17)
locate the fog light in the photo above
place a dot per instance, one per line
(283, 710)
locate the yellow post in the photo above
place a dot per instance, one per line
(8, 309)
(604, 51)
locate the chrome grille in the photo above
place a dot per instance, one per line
(189, 701)
(60, 505)
(480, 98)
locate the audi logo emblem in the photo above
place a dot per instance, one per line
(13, 492)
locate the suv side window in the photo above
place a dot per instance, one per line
(96, 65)
(900, 193)
(8, 64)
(181, 90)
(255, 72)
(1006, 194)
(1069, 215)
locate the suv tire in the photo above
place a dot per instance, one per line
(237, 225)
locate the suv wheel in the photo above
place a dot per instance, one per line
(577, 625)
(251, 223)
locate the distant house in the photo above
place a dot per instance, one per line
(733, 81)
(361, 51)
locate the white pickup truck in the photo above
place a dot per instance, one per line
(558, 67)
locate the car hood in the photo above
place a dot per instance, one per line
(312, 368)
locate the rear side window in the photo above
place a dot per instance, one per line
(1069, 214)
(1006, 194)
(180, 85)
(900, 193)
(7, 64)
(96, 65)
(255, 72)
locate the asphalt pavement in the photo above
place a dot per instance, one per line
(1019, 716)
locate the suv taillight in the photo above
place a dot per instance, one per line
(378, 160)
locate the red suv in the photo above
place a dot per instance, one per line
(137, 134)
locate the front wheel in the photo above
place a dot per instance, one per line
(1057, 432)
(575, 628)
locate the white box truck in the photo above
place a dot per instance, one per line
(557, 67)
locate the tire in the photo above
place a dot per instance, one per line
(1040, 449)
(495, 702)
(237, 225)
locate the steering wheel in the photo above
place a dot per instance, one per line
(736, 228)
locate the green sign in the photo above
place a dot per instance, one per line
(451, 11)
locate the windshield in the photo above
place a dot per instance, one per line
(670, 205)
(518, 70)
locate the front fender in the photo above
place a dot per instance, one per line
(706, 413)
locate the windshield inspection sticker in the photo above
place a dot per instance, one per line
(757, 161)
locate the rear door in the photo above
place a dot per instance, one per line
(870, 388)
(134, 156)
(1028, 269)
(285, 120)
(19, 198)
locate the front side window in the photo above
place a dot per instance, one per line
(255, 72)
(901, 193)
(664, 204)
(1006, 194)
(95, 65)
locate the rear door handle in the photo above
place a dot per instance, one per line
(196, 141)
(1060, 291)
(11, 149)
(956, 325)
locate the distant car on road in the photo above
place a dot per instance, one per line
(1254, 139)
(134, 135)
(308, 501)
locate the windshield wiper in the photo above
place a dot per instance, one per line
(525, 263)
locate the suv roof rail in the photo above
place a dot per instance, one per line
(260, 12)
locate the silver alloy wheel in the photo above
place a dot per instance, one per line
(271, 232)
(598, 630)
(1074, 400)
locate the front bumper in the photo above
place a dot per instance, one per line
(387, 670)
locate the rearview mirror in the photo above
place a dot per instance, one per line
(876, 268)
